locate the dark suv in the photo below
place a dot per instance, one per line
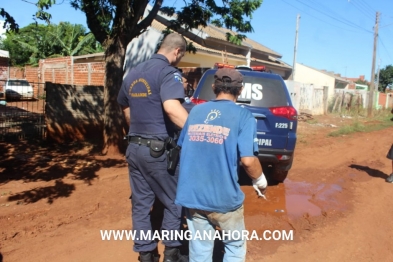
(266, 96)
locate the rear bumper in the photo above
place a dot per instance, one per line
(270, 156)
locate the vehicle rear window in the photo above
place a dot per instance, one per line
(257, 91)
(18, 83)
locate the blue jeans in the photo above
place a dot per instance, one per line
(204, 222)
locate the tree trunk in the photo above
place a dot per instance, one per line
(114, 121)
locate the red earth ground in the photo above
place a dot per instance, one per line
(54, 200)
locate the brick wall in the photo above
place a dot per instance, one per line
(17, 72)
(74, 112)
(32, 74)
(3, 68)
(56, 70)
(3, 72)
(62, 71)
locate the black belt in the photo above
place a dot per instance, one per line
(139, 140)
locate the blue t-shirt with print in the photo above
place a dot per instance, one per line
(215, 136)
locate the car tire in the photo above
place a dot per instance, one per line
(274, 174)
(280, 175)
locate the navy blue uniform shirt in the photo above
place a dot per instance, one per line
(145, 88)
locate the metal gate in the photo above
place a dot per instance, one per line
(22, 114)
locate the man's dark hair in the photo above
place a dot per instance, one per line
(227, 89)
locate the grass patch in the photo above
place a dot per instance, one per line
(312, 121)
(381, 120)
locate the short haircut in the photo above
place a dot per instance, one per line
(173, 41)
(228, 81)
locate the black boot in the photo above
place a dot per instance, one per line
(150, 256)
(172, 254)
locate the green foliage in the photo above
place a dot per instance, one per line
(385, 78)
(235, 15)
(37, 41)
(9, 22)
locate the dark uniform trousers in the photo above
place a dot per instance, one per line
(149, 179)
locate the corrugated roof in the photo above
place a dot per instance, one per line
(4, 53)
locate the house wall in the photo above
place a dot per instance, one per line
(308, 75)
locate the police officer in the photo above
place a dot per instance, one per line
(153, 92)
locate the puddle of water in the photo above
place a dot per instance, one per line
(294, 199)
(297, 205)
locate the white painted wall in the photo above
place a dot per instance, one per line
(307, 75)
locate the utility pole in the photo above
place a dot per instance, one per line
(372, 84)
(295, 49)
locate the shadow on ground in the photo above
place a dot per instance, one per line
(370, 171)
(33, 161)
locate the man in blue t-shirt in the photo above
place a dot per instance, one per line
(218, 134)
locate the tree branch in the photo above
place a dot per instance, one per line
(145, 23)
(93, 23)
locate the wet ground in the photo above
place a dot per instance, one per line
(54, 202)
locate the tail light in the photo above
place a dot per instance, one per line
(197, 101)
(284, 111)
(283, 157)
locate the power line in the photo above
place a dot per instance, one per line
(368, 6)
(362, 9)
(383, 45)
(386, 25)
(344, 21)
(322, 19)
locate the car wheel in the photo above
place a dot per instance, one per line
(280, 175)
(273, 174)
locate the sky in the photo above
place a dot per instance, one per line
(334, 35)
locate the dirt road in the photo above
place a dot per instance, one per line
(55, 201)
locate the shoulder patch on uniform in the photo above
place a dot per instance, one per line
(178, 77)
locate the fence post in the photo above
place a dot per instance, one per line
(325, 99)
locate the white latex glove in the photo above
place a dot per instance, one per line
(260, 185)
